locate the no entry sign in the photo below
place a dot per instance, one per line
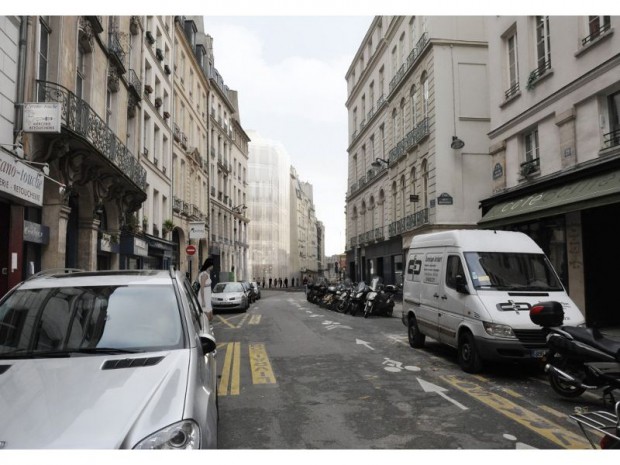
(190, 250)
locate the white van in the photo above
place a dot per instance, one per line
(473, 289)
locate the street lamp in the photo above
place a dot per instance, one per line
(379, 161)
(238, 208)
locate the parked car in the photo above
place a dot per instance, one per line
(106, 360)
(229, 296)
(249, 291)
(256, 289)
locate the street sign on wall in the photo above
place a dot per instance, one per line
(41, 117)
(197, 230)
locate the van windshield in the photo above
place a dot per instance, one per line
(512, 271)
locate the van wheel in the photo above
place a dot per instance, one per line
(416, 338)
(468, 356)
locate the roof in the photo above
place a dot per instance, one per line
(478, 240)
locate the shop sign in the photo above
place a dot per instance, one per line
(35, 232)
(41, 117)
(141, 247)
(20, 180)
(106, 244)
(197, 230)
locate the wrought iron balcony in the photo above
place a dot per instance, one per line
(530, 167)
(603, 28)
(413, 221)
(612, 139)
(514, 89)
(412, 138)
(411, 60)
(78, 117)
(135, 85)
(116, 52)
(537, 73)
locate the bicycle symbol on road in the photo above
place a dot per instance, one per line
(395, 367)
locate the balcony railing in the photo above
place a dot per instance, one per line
(411, 59)
(537, 73)
(514, 89)
(177, 204)
(78, 117)
(603, 28)
(116, 52)
(612, 139)
(412, 138)
(530, 167)
(135, 85)
(413, 221)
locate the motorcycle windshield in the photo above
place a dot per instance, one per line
(361, 286)
(376, 283)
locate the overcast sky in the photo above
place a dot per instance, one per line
(290, 75)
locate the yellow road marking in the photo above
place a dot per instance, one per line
(227, 322)
(262, 373)
(552, 411)
(512, 393)
(230, 370)
(534, 422)
(255, 319)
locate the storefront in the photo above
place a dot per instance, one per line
(134, 252)
(21, 234)
(573, 218)
(384, 259)
(160, 253)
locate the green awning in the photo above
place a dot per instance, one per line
(590, 192)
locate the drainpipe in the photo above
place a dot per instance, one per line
(21, 76)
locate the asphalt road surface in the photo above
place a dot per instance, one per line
(296, 376)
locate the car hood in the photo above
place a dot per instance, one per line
(227, 295)
(78, 402)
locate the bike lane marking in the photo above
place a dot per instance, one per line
(254, 319)
(227, 322)
(231, 369)
(540, 425)
(262, 372)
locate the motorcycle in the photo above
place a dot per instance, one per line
(604, 423)
(578, 358)
(343, 296)
(380, 300)
(358, 298)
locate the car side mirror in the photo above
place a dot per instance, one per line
(208, 343)
(461, 284)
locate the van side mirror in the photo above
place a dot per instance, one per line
(461, 284)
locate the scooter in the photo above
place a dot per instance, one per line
(380, 300)
(606, 424)
(578, 358)
(358, 298)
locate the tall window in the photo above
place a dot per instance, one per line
(382, 136)
(371, 95)
(108, 107)
(402, 118)
(412, 33)
(401, 46)
(531, 145)
(543, 47)
(425, 183)
(597, 25)
(425, 93)
(44, 35)
(394, 124)
(513, 70)
(413, 180)
(372, 148)
(394, 60)
(414, 107)
(613, 138)
(80, 74)
(363, 115)
(402, 194)
(381, 82)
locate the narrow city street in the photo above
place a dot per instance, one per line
(295, 376)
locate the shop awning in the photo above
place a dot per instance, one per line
(594, 191)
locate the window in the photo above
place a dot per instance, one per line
(597, 25)
(513, 69)
(424, 183)
(454, 268)
(394, 60)
(381, 82)
(543, 47)
(412, 33)
(612, 139)
(80, 75)
(402, 119)
(414, 107)
(531, 145)
(425, 93)
(43, 48)
(394, 123)
(382, 136)
(371, 95)
(401, 45)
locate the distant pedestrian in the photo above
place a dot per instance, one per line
(292, 282)
(285, 282)
(280, 282)
(270, 280)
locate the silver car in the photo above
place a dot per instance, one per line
(229, 296)
(105, 360)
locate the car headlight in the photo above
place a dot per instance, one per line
(182, 435)
(497, 330)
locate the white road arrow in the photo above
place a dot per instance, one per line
(429, 387)
(364, 343)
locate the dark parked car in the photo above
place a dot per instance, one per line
(106, 360)
(249, 291)
(256, 288)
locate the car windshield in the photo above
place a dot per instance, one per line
(227, 287)
(512, 271)
(69, 320)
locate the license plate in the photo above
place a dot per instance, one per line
(539, 353)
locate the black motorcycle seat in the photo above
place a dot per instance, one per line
(593, 337)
